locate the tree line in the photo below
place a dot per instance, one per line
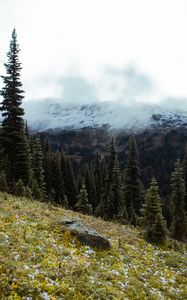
(30, 169)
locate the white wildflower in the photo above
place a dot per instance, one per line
(17, 257)
(36, 272)
(6, 238)
(45, 296)
(163, 279)
(89, 251)
(123, 285)
(125, 271)
(31, 276)
(115, 272)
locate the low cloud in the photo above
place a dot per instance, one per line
(137, 82)
(177, 104)
(126, 85)
(77, 90)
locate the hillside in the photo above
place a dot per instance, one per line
(38, 261)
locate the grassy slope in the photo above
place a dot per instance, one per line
(37, 261)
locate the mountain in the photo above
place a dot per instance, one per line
(47, 114)
(40, 261)
(83, 130)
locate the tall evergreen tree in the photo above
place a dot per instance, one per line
(159, 230)
(108, 180)
(1, 152)
(36, 192)
(115, 192)
(13, 139)
(3, 182)
(101, 207)
(57, 182)
(90, 187)
(132, 183)
(79, 181)
(152, 220)
(122, 210)
(38, 171)
(19, 189)
(47, 166)
(110, 163)
(97, 180)
(83, 205)
(23, 163)
(178, 227)
(69, 181)
(28, 192)
(185, 179)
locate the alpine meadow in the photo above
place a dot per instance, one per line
(93, 167)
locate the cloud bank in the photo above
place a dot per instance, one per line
(126, 85)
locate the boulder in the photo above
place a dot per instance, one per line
(85, 234)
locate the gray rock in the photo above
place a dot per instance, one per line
(85, 234)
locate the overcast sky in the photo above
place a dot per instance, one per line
(99, 49)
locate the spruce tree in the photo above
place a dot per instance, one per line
(19, 189)
(65, 202)
(38, 171)
(110, 164)
(79, 181)
(1, 154)
(132, 183)
(115, 192)
(36, 191)
(101, 207)
(122, 210)
(51, 195)
(28, 192)
(47, 165)
(83, 205)
(57, 182)
(100, 210)
(185, 179)
(69, 181)
(13, 138)
(46, 147)
(97, 180)
(152, 220)
(108, 181)
(159, 230)
(3, 182)
(90, 187)
(23, 167)
(178, 226)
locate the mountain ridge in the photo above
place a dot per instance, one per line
(48, 114)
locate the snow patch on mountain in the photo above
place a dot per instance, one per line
(47, 114)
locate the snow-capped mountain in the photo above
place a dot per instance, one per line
(48, 114)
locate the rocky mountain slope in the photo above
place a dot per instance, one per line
(47, 114)
(40, 261)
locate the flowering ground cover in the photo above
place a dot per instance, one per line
(39, 261)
